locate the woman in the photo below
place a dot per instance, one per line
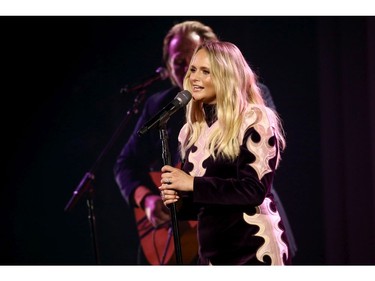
(230, 146)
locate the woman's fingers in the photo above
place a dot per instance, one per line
(169, 196)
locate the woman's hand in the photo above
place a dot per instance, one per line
(174, 180)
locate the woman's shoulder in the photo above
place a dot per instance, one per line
(257, 113)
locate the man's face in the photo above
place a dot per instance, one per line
(181, 49)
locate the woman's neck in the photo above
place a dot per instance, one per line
(210, 113)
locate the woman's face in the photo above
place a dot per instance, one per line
(200, 78)
(181, 49)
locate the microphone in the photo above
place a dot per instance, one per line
(161, 73)
(180, 100)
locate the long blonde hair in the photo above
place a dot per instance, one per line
(236, 87)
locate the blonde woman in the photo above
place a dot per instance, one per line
(230, 146)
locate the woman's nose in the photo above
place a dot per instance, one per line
(193, 76)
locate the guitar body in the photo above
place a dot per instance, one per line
(158, 243)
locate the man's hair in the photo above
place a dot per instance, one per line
(186, 27)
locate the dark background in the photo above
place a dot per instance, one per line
(61, 81)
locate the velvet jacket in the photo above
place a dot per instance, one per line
(238, 222)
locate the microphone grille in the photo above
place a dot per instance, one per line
(183, 97)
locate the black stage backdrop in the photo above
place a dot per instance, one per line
(61, 81)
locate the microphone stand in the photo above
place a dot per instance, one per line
(85, 185)
(172, 207)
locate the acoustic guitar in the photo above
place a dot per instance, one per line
(158, 243)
